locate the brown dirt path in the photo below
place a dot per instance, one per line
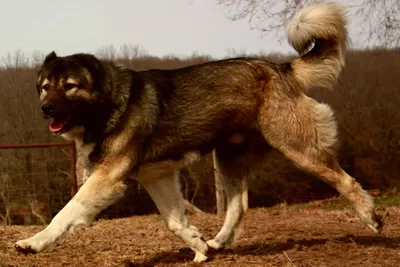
(307, 237)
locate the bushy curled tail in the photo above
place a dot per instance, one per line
(324, 25)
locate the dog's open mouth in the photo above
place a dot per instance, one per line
(59, 125)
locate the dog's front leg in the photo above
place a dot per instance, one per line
(103, 188)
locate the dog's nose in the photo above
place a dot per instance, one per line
(47, 109)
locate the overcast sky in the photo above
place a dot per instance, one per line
(162, 27)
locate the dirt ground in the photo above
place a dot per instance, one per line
(271, 237)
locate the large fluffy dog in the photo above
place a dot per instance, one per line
(149, 124)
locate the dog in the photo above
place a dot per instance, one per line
(149, 124)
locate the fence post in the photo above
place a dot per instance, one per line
(219, 187)
(74, 188)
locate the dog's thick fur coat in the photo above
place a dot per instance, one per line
(148, 124)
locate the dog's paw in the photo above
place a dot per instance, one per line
(212, 243)
(200, 257)
(25, 247)
(372, 220)
(377, 226)
(35, 244)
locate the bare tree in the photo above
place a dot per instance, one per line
(5, 182)
(130, 51)
(219, 187)
(378, 21)
(125, 52)
(38, 209)
(107, 52)
(16, 60)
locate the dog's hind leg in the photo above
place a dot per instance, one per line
(305, 132)
(164, 189)
(234, 164)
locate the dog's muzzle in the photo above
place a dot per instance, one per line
(48, 109)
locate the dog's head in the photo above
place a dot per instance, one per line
(67, 89)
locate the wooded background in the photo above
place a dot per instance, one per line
(36, 183)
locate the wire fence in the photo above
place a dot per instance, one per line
(36, 181)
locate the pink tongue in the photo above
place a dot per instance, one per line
(57, 125)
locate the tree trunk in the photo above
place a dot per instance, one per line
(192, 209)
(219, 187)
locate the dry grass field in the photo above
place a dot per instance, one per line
(315, 234)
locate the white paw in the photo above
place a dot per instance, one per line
(28, 246)
(36, 243)
(374, 227)
(372, 221)
(377, 224)
(200, 257)
(214, 244)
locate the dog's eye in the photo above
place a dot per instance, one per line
(46, 87)
(69, 86)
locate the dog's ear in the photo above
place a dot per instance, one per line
(50, 57)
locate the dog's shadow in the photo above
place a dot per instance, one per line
(267, 248)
